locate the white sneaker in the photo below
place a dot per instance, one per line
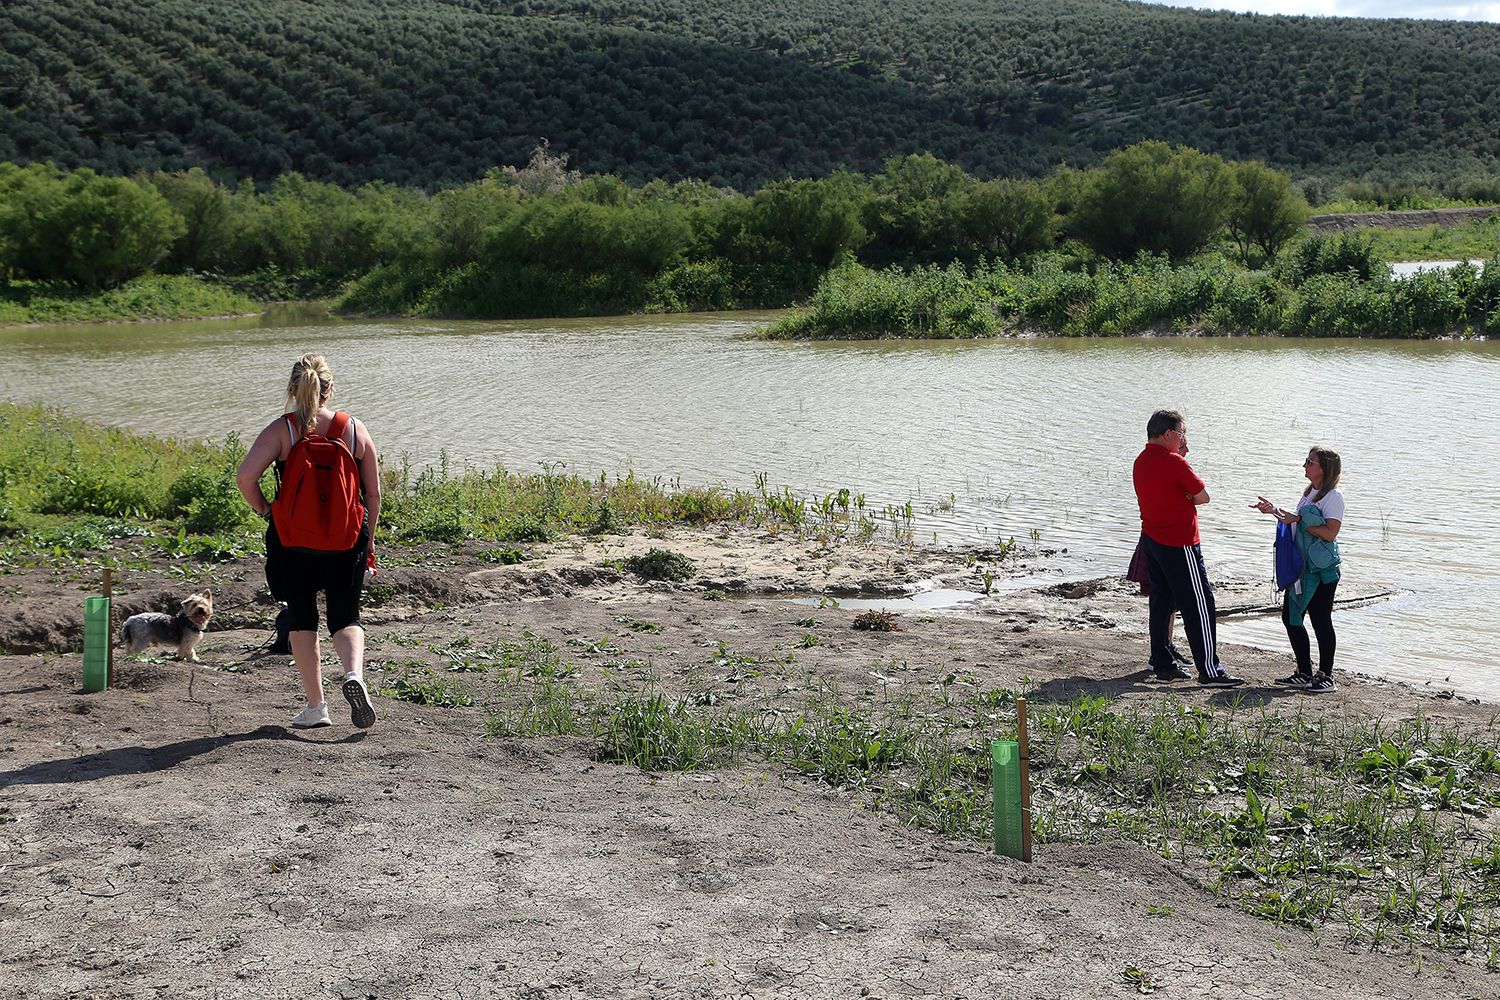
(312, 717)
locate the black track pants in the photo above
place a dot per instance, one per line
(1179, 581)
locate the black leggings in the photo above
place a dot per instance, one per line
(1320, 611)
(295, 577)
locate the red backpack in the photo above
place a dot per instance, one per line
(317, 503)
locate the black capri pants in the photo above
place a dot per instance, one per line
(295, 577)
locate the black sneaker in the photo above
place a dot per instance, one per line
(1172, 673)
(1177, 656)
(1295, 680)
(361, 712)
(1321, 684)
(1220, 681)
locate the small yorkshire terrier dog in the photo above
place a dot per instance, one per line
(182, 630)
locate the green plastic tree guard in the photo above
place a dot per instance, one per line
(95, 643)
(1005, 778)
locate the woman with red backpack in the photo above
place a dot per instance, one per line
(321, 531)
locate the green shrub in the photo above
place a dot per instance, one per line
(84, 533)
(853, 301)
(81, 228)
(503, 557)
(431, 523)
(193, 483)
(115, 492)
(1481, 291)
(219, 510)
(1243, 304)
(1346, 253)
(607, 520)
(701, 505)
(394, 290)
(1428, 301)
(692, 286)
(524, 528)
(1331, 305)
(661, 564)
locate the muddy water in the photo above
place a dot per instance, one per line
(1029, 439)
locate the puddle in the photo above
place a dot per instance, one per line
(925, 600)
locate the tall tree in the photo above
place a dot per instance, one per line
(1153, 197)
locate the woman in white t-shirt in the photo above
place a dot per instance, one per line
(1322, 468)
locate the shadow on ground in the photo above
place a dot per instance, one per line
(144, 760)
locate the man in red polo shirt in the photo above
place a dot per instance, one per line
(1170, 493)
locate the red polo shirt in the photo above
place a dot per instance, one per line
(1164, 486)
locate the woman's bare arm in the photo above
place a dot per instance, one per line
(265, 450)
(369, 477)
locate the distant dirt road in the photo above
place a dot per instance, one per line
(1445, 217)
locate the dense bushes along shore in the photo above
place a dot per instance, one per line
(1328, 287)
(544, 240)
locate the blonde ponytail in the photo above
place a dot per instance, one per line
(310, 387)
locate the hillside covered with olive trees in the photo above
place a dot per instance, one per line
(737, 92)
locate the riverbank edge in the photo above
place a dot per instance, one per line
(149, 298)
(322, 308)
(1025, 332)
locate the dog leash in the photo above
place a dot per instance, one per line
(236, 606)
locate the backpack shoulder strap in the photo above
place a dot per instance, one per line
(336, 428)
(342, 425)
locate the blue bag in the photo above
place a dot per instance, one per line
(1288, 555)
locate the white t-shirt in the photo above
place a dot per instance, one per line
(1331, 506)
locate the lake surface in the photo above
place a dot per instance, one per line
(1407, 268)
(1015, 436)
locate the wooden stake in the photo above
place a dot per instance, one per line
(1025, 752)
(109, 645)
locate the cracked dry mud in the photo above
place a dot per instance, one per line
(172, 838)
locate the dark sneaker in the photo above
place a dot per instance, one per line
(1321, 684)
(1177, 657)
(1172, 673)
(1221, 681)
(361, 712)
(1295, 680)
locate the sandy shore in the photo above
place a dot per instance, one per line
(173, 838)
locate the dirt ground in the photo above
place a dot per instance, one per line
(174, 838)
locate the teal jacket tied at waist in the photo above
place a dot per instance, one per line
(1320, 564)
